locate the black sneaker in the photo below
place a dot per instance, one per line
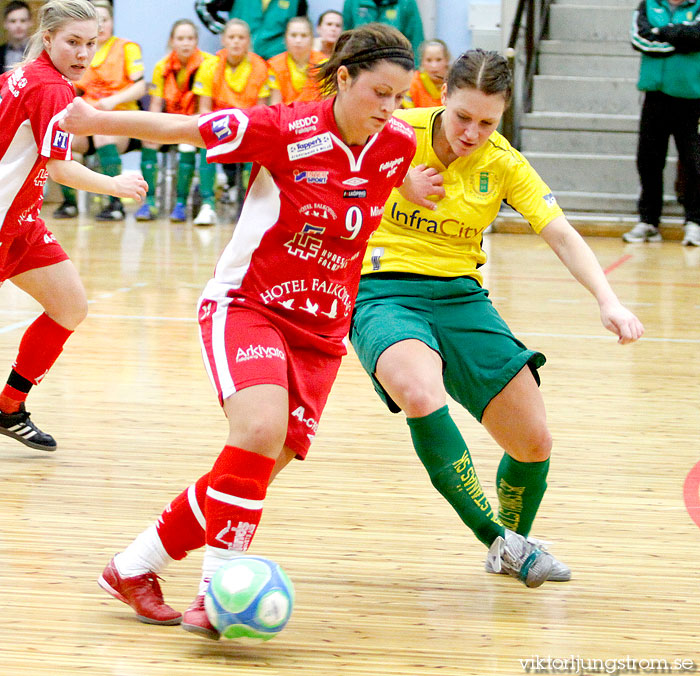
(114, 211)
(20, 427)
(66, 210)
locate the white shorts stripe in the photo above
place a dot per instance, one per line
(218, 343)
(234, 500)
(194, 506)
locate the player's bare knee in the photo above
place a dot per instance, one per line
(537, 445)
(418, 400)
(258, 435)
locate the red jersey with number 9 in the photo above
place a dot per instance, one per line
(312, 203)
(33, 99)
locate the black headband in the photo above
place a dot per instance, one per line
(375, 54)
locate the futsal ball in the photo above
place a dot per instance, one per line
(249, 598)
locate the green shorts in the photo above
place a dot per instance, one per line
(454, 317)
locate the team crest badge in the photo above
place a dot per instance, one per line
(483, 183)
(221, 128)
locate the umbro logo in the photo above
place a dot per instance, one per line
(355, 181)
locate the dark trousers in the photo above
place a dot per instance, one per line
(664, 116)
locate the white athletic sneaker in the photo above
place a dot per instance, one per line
(206, 216)
(560, 572)
(521, 559)
(642, 232)
(691, 234)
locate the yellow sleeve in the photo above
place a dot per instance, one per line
(528, 194)
(134, 61)
(157, 81)
(204, 77)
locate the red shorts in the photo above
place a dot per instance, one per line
(29, 250)
(242, 347)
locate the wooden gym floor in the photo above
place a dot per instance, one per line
(389, 582)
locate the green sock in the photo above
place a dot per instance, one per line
(69, 195)
(207, 179)
(520, 486)
(149, 169)
(185, 172)
(110, 161)
(445, 456)
(245, 174)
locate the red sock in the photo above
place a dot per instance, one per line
(237, 486)
(39, 348)
(10, 399)
(181, 526)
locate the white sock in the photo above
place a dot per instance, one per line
(214, 558)
(144, 555)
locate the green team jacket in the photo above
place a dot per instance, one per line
(668, 38)
(401, 14)
(267, 28)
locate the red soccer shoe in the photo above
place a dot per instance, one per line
(195, 620)
(142, 593)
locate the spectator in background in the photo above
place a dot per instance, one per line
(267, 19)
(171, 91)
(426, 87)
(17, 22)
(113, 81)
(667, 33)
(289, 71)
(236, 78)
(329, 27)
(401, 14)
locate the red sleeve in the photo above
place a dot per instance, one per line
(250, 135)
(45, 115)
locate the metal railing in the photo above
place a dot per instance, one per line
(530, 25)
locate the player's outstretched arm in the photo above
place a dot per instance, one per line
(75, 175)
(583, 265)
(82, 119)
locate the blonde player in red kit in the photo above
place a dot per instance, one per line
(33, 97)
(274, 316)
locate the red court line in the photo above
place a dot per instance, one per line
(691, 494)
(617, 263)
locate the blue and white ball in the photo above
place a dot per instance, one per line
(249, 598)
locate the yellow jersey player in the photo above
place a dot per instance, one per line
(424, 326)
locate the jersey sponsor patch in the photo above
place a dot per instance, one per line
(550, 200)
(317, 210)
(60, 139)
(259, 352)
(401, 127)
(391, 166)
(304, 125)
(355, 193)
(310, 146)
(314, 177)
(221, 128)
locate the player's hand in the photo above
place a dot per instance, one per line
(623, 323)
(420, 183)
(130, 185)
(80, 119)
